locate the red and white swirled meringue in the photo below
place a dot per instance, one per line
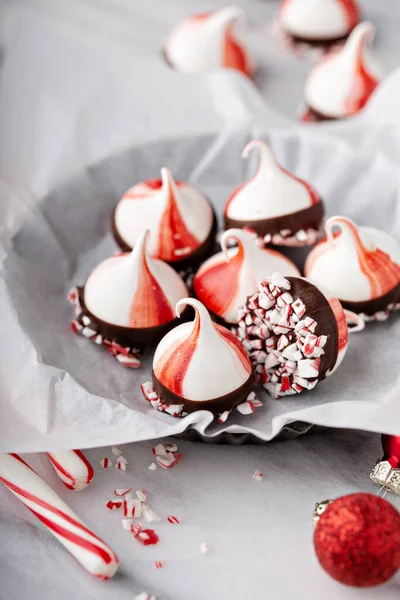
(281, 208)
(294, 332)
(201, 365)
(134, 290)
(361, 265)
(318, 21)
(341, 84)
(226, 279)
(206, 42)
(179, 217)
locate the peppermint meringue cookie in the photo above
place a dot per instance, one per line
(128, 302)
(341, 84)
(361, 265)
(295, 333)
(201, 365)
(282, 209)
(318, 22)
(181, 220)
(226, 279)
(206, 42)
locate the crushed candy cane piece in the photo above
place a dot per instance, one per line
(141, 495)
(105, 463)
(223, 416)
(116, 451)
(132, 508)
(121, 463)
(152, 467)
(122, 492)
(159, 450)
(114, 504)
(149, 515)
(173, 520)
(144, 596)
(127, 523)
(204, 548)
(170, 461)
(257, 476)
(160, 564)
(171, 448)
(246, 408)
(147, 537)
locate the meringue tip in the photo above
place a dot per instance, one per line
(241, 236)
(200, 309)
(227, 15)
(266, 155)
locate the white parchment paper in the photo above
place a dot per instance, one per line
(103, 112)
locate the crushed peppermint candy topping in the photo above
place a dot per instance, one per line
(286, 237)
(177, 410)
(257, 476)
(204, 548)
(114, 504)
(82, 324)
(173, 520)
(160, 564)
(147, 537)
(141, 495)
(121, 463)
(116, 451)
(145, 596)
(152, 467)
(280, 340)
(381, 315)
(105, 463)
(122, 492)
(168, 462)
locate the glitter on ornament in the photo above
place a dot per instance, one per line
(357, 540)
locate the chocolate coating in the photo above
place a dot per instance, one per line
(216, 405)
(316, 42)
(318, 308)
(308, 218)
(317, 117)
(370, 307)
(139, 337)
(205, 250)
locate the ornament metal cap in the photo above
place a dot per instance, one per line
(386, 471)
(319, 509)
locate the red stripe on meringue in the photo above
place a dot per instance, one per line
(223, 276)
(351, 11)
(233, 56)
(236, 345)
(174, 369)
(173, 233)
(150, 306)
(363, 86)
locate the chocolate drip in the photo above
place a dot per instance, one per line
(215, 405)
(308, 218)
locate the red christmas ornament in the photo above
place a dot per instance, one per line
(357, 540)
(386, 472)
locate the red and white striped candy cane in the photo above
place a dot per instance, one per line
(74, 470)
(88, 549)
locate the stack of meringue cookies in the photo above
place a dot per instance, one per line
(256, 319)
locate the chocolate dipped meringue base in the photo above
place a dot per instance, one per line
(322, 43)
(191, 261)
(378, 308)
(125, 343)
(215, 405)
(295, 336)
(296, 229)
(312, 116)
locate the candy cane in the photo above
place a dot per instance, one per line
(88, 549)
(74, 470)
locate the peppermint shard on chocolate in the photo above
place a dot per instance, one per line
(226, 279)
(201, 365)
(295, 334)
(318, 22)
(180, 218)
(128, 302)
(361, 265)
(341, 84)
(282, 209)
(205, 42)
